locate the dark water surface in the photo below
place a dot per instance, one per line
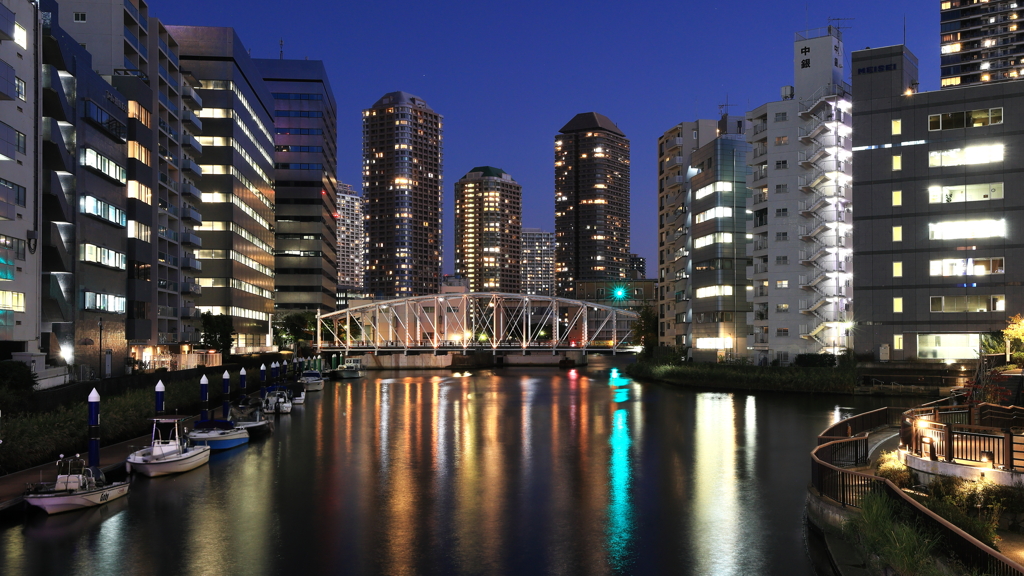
(518, 471)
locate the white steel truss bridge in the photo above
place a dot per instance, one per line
(477, 322)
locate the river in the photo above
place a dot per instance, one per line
(516, 471)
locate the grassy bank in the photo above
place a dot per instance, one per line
(34, 438)
(748, 377)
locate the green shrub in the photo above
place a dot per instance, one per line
(897, 542)
(825, 360)
(749, 377)
(891, 468)
(973, 507)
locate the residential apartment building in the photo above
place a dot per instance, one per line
(306, 167)
(538, 262)
(702, 228)
(675, 151)
(237, 166)
(402, 193)
(801, 204)
(591, 202)
(938, 211)
(135, 53)
(637, 267)
(351, 239)
(980, 42)
(20, 226)
(488, 230)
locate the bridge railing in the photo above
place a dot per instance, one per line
(832, 479)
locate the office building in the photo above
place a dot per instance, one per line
(306, 166)
(979, 42)
(20, 228)
(702, 220)
(350, 238)
(801, 205)
(237, 231)
(538, 262)
(135, 54)
(591, 202)
(934, 178)
(488, 230)
(402, 193)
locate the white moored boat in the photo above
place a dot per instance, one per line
(353, 368)
(218, 434)
(170, 451)
(312, 380)
(76, 487)
(298, 393)
(278, 400)
(247, 414)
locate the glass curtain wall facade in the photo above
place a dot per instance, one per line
(306, 165)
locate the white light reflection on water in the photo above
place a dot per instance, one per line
(715, 533)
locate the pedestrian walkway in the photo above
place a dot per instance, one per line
(111, 458)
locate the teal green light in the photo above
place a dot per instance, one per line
(620, 506)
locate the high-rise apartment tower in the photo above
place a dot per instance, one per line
(351, 239)
(538, 258)
(488, 230)
(591, 202)
(979, 42)
(403, 193)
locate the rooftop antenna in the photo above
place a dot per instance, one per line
(837, 23)
(281, 56)
(723, 109)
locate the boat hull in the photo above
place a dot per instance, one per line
(65, 502)
(191, 460)
(349, 373)
(255, 428)
(217, 441)
(314, 386)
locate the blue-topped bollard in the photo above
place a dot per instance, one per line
(273, 372)
(225, 403)
(160, 407)
(94, 428)
(241, 379)
(334, 361)
(204, 398)
(262, 381)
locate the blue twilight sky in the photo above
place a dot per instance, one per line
(507, 75)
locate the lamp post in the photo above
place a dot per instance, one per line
(100, 322)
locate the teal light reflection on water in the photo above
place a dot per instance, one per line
(621, 385)
(620, 506)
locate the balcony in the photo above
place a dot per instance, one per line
(6, 23)
(190, 97)
(190, 142)
(190, 214)
(192, 336)
(166, 181)
(56, 256)
(168, 260)
(190, 239)
(167, 337)
(672, 144)
(190, 167)
(191, 287)
(171, 133)
(189, 189)
(55, 150)
(191, 121)
(759, 172)
(166, 312)
(164, 232)
(759, 198)
(189, 313)
(190, 263)
(167, 285)
(760, 127)
(55, 100)
(55, 201)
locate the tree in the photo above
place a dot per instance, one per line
(299, 327)
(217, 332)
(646, 331)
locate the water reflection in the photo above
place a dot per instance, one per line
(526, 471)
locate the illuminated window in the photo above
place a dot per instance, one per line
(140, 191)
(20, 36)
(105, 302)
(954, 81)
(897, 127)
(966, 267)
(717, 212)
(96, 207)
(716, 238)
(967, 229)
(100, 163)
(897, 269)
(12, 301)
(966, 156)
(897, 341)
(897, 305)
(139, 230)
(950, 48)
(897, 233)
(969, 119)
(138, 152)
(965, 193)
(712, 291)
(973, 303)
(714, 343)
(948, 346)
(781, 284)
(897, 198)
(139, 112)
(712, 188)
(897, 162)
(102, 256)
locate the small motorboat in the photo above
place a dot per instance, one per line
(353, 368)
(312, 380)
(246, 414)
(298, 393)
(278, 400)
(171, 451)
(218, 434)
(77, 486)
